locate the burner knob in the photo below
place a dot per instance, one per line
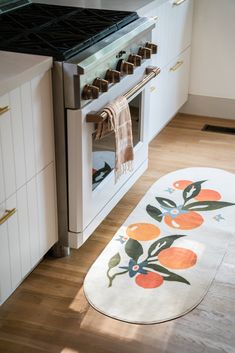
(103, 85)
(135, 59)
(90, 92)
(113, 76)
(152, 46)
(145, 53)
(125, 67)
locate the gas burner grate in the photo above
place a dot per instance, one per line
(58, 31)
(219, 129)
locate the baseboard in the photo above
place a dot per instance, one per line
(209, 106)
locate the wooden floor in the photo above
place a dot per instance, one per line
(48, 312)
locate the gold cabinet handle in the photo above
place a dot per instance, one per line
(8, 214)
(4, 109)
(176, 66)
(178, 2)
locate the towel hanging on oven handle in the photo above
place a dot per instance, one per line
(151, 72)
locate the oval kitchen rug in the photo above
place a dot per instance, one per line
(161, 262)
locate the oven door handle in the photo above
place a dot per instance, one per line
(151, 72)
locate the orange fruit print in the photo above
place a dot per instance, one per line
(208, 195)
(182, 184)
(143, 231)
(184, 221)
(149, 280)
(177, 258)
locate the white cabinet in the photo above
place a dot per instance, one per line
(213, 56)
(46, 195)
(7, 157)
(26, 133)
(29, 232)
(42, 120)
(159, 34)
(177, 82)
(169, 91)
(157, 110)
(179, 18)
(5, 263)
(27, 180)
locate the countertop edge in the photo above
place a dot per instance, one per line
(15, 75)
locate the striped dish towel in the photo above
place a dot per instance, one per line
(119, 122)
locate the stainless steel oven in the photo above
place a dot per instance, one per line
(92, 189)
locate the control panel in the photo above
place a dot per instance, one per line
(125, 65)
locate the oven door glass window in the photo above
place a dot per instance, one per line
(103, 150)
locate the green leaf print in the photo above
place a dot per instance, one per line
(206, 205)
(114, 261)
(162, 244)
(134, 249)
(167, 275)
(192, 190)
(166, 202)
(154, 213)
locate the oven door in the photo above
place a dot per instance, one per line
(92, 189)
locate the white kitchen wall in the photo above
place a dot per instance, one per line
(213, 49)
(212, 78)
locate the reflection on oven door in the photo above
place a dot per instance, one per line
(103, 151)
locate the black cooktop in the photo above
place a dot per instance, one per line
(58, 31)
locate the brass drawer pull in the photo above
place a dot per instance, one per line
(8, 214)
(176, 66)
(4, 109)
(178, 2)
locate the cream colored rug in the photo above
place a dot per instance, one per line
(161, 262)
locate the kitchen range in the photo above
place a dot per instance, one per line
(99, 55)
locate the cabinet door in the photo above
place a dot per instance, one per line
(177, 82)
(159, 34)
(180, 27)
(18, 136)
(7, 149)
(14, 243)
(23, 229)
(47, 208)
(157, 118)
(2, 187)
(5, 271)
(34, 238)
(43, 120)
(15, 251)
(28, 127)
(10, 259)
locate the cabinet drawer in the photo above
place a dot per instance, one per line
(7, 157)
(10, 261)
(26, 133)
(180, 26)
(43, 120)
(47, 210)
(29, 232)
(159, 34)
(157, 112)
(168, 92)
(177, 82)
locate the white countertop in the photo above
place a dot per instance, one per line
(16, 68)
(140, 6)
